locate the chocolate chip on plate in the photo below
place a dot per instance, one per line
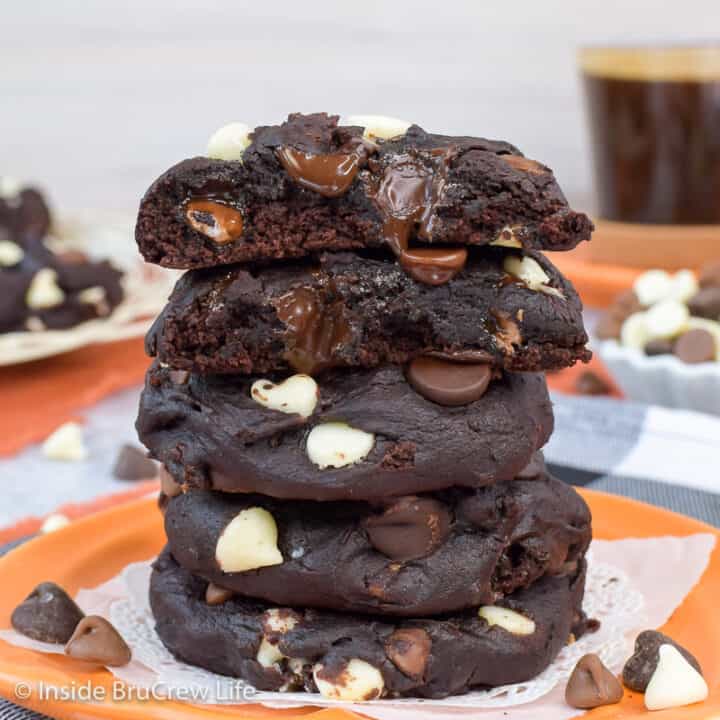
(706, 303)
(48, 614)
(710, 275)
(695, 346)
(590, 383)
(592, 685)
(133, 464)
(642, 664)
(96, 640)
(410, 528)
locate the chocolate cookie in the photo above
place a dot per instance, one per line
(413, 556)
(346, 310)
(369, 433)
(40, 289)
(310, 184)
(360, 657)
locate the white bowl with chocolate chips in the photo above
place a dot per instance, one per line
(661, 340)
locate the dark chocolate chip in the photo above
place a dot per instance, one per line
(642, 664)
(216, 595)
(48, 614)
(706, 303)
(133, 464)
(590, 383)
(96, 640)
(621, 309)
(409, 649)
(695, 346)
(448, 383)
(410, 528)
(659, 346)
(710, 275)
(592, 685)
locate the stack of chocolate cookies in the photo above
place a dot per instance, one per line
(349, 404)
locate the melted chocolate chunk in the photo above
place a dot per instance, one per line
(330, 175)
(409, 650)
(449, 383)
(221, 223)
(315, 329)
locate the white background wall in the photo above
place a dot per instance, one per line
(96, 99)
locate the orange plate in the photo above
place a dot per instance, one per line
(92, 550)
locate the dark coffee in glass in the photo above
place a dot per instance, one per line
(655, 127)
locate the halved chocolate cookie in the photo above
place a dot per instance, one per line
(310, 185)
(509, 310)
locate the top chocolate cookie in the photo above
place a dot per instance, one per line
(312, 184)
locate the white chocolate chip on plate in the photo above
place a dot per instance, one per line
(44, 292)
(507, 619)
(378, 127)
(675, 682)
(634, 333)
(11, 253)
(337, 444)
(229, 142)
(10, 187)
(249, 541)
(298, 394)
(683, 285)
(54, 522)
(358, 681)
(652, 287)
(66, 443)
(666, 319)
(529, 271)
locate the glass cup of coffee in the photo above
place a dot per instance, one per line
(654, 115)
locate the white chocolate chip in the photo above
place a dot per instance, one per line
(507, 238)
(652, 287)
(10, 187)
(634, 332)
(34, 324)
(44, 292)
(666, 319)
(249, 541)
(378, 127)
(268, 654)
(54, 522)
(337, 444)
(92, 295)
(358, 681)
(683, 285)
(298, 394)
(509, 620)
(11, 253)
(66, 443)
(229, 142)
(531, 273)
(276, 620)
(675, 682)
